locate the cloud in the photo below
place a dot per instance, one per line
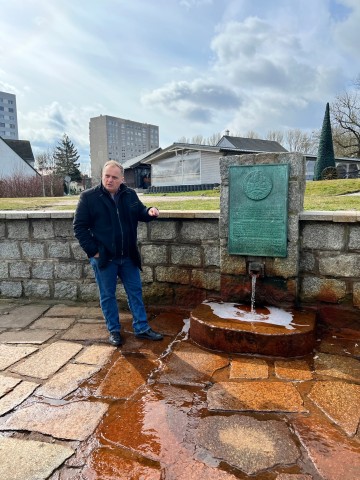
(46, 125)
(189, 66)
(198, 100)
(346, 31)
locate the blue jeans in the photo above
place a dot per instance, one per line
(106, 279)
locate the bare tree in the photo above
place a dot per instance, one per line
(45, 164)
(345, 114)
(298, 141)
(214, 138)
(275, 136)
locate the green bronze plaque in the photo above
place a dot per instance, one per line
(258, 209)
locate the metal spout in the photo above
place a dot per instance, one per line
(256, 269)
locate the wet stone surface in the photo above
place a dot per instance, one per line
(172, 410)
(190, 365)
(256, 396)
(335, 456)
(247, 443)
(249, 368)
(341, 403)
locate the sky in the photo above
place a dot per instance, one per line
(192, 67)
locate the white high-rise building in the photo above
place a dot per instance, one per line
(8, 116)
(113, 138)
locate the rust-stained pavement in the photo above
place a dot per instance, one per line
(73, 407)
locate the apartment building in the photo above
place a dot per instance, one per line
(113, 138)
(8, 116)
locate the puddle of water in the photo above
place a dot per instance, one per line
(244, 313)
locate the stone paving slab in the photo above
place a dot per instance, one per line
(87, 331)
(27, 336)
(16, 396)
(341, 403)
(258, 396)
(5, 308)
(53, 323)
(297, 370)
(246, 443)
(47, 361)
(62, 310)
(158, 425)
(66, 381)
(7, 384)
(21, 317)
(249, 368)
(29, 459)
(96, 355)
(190, 365)
(10, 354)
(125, 376)
(337, 366)
(335, 456)
(73, 421)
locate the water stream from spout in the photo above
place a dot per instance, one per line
(253, 289)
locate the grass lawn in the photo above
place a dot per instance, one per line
(328, 195)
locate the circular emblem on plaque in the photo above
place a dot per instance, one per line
(257, 185)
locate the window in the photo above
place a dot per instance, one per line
(2, 124)
(12, 125)
(10, 109)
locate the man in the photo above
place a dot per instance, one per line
(105, 225)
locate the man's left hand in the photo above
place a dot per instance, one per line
(153, 212)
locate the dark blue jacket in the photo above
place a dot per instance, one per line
(96, 222)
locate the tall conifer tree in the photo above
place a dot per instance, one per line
(66, 159)
(325, 157)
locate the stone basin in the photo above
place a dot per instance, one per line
(232, 328)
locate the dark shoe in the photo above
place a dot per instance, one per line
(115, 339)
(150, 335)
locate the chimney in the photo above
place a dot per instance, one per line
(227, 132)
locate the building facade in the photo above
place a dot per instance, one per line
(113, 138)
(8, 116)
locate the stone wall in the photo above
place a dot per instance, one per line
(41, 259)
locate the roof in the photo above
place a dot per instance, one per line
(227, 144)
(182, 147)
(134, 162)
(250, 145)
(21, 148)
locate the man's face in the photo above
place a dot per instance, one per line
(112, 178)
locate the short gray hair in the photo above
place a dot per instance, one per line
(113, 163)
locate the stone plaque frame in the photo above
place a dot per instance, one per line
(258, 210)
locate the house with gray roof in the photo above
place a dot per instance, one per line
(186, 167)
(16, 158)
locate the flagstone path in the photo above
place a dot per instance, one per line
(74, 407)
